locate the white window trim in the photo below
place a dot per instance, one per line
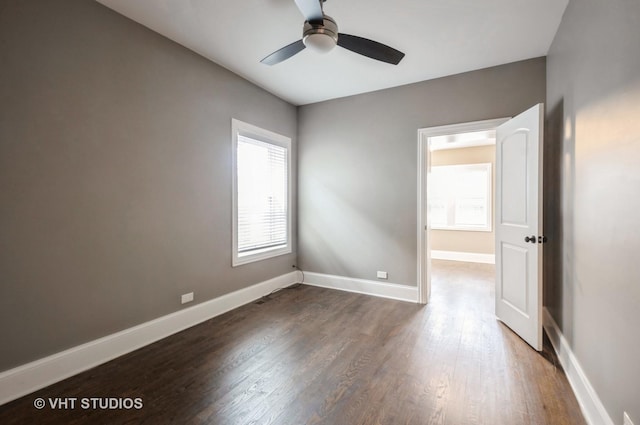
(248, 130)
(488, 228)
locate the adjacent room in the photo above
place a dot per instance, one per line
(319, 212)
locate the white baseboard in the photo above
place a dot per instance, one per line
(592, 407)
(362, 286)
(25, 379)
(467, 257)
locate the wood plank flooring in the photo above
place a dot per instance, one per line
(318, 356)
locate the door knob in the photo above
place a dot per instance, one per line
(531, 239)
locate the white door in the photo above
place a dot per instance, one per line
(519, 225)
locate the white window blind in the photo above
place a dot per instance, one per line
(262, 195)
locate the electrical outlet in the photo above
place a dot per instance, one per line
(382, 275)
(627, 419)
(187, 298)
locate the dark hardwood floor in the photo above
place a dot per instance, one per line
(318, 356)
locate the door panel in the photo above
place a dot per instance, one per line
(514, 189)
(518, 225)
(514, 263)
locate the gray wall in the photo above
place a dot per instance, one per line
(592, 166)
(115, 179)
(358, 167)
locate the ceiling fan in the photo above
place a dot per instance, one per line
(320, 33)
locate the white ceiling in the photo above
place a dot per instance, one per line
(439, 38)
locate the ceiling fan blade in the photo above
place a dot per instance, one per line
(311, 9)
(369, 48)
(283, 54)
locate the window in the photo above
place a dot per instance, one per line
(461, 197)
(261, 193)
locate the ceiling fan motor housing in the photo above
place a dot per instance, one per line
(321, 37)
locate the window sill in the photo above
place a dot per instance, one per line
(260, 254)
(464, 229)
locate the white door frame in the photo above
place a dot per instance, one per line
(424, 165)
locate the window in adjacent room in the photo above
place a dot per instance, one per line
(461, 197)
(261, 193)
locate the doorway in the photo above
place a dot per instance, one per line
(518, 217)
(460, 207)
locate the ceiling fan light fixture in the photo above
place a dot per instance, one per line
(320, 37)
(320, 33)
(321, 43)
